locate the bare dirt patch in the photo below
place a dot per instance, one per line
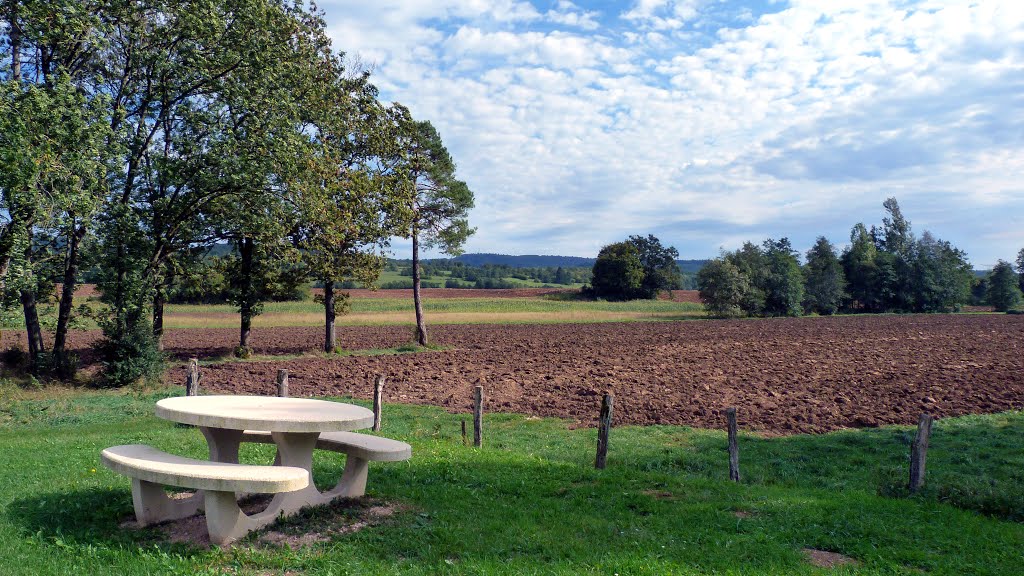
(823, 559)
(342, 517)
(787, 376)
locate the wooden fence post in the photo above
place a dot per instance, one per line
(734, 447)
(464, 432)
(919, 452)
(604, 425)
(478, 416)
(282, 383)
(378, 396)
(192, 379)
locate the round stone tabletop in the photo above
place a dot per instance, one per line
(264, 413)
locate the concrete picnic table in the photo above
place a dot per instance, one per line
(294, 424)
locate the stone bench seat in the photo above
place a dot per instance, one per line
(150, 470)
(359, 449)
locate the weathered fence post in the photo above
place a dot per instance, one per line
(604, 425)
(192, 379)
(282, 383)
(378, 396)
(734, 447)
(919, 452)
(464, 432)
(478, 416)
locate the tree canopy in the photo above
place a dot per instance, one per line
(134, 136)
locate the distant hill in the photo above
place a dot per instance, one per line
(528, 261)
(533, 261)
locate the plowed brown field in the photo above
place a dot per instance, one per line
(786, 375)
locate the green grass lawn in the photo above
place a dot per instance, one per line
(530, 501)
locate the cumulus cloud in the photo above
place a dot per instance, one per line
(706, 120)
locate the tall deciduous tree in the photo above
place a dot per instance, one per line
(1003, 291)
(1020, 269)
(722, 288)
(356, 199)
(940, 278)
(750, 260)
(824, 282)
(439, 205)
(51, 150)
(618, 273)
(783, 281)
(861, 271)
(659, 262)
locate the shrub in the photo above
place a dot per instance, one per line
(130, 357)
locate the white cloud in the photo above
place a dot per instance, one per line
(581, 131)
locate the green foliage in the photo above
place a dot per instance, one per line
(775, 284)
(1003, 291)
(637, 268)
(618, 272)
(941, 277)
(130, 356)
(1020, 269)
(861, 272)
(722, 288)
(659, 263)
(825, 284)
(889, 270)
(783, 282)
(440, 203)
(751, 263)
(207, 281)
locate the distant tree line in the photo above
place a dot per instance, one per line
(135, 136)
(883, 269)
(488, 275)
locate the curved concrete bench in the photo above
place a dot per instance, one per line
(360, 449)
(150, 469)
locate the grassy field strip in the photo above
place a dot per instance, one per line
(222, 320)
(494, 305)
(400, 311)
(439, 311)
(530, 501)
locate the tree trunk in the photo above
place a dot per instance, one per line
(15, 39)
(33, 330)
(246, 249)
(6, 249)
(330, 338)
(159, 299)
(421, 325)
(67, 298)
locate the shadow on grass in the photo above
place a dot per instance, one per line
(92, 516)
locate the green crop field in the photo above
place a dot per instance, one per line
(399, 310)
(530, 501)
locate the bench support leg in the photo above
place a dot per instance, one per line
(223, 443)
(226, 522)
(353, 480)
(295, 449)
(152, 505)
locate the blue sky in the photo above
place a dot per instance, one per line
(709, 122)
